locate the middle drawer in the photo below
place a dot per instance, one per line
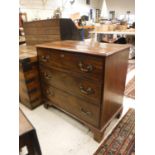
(80, 87)
(83, 110)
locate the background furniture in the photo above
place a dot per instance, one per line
(125, 32)
(22, 19)
(50, 30)
(85, 31)
(21, 40)
(29, 82)
(112, 30)
(28, 136)
(81, 79)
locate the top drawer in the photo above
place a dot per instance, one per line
(85, 65)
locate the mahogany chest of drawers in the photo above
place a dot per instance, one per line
(84, 79)
(29, 81)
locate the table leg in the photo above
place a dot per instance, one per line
(32, 144)
(35, 141)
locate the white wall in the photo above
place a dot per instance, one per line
(43, 9)
(38, 9)
(119, 6)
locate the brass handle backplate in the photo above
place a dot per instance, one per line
(87, 91)
(84, 68)
(49, 92)
(62, 55)
(88, 113)
(46, 75)
(44, 58)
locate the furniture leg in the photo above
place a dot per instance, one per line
(33, 145)
(36, 144)
(98, 136)
(119, 114)
(30, 149)
(46, 106)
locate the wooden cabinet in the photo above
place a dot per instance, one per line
(84, 79)
(29, 81)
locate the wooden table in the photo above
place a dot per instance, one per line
(122, 32)
(85, 29)
(28, 136)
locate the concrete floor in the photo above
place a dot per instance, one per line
(60, 134)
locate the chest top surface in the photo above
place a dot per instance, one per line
(27, 53)
(88, 47)
(27, 49)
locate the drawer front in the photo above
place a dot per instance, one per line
(81, 109)
(83, 88)
(85, 65)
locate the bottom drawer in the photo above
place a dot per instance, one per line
(73, 105)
